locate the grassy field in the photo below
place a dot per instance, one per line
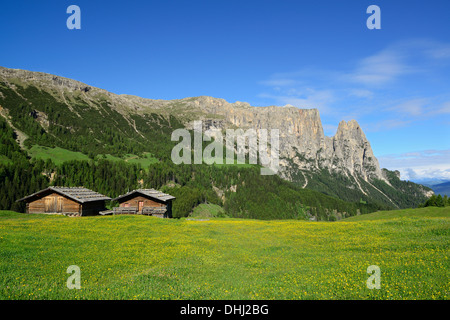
(429, 212)
(147, 160)
(137, 257)
(207, 210)
(59, 155)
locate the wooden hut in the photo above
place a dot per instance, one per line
(78, 201)
(145, 201)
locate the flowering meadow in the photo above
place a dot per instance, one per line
(139, 257)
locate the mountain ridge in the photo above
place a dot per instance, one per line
(305, 124)
(305, 152)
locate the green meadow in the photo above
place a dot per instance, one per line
(428, 212)
(144, 161)
(59, 155)
(207, 210)
(139, 257)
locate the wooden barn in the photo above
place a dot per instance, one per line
(78, 201)
(145, 201)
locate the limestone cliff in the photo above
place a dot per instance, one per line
(302, 138)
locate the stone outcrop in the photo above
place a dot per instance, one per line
(302, 138)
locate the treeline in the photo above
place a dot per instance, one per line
(100, 130)
(405, 194)
(9, 148)
(243, 192)
(402, 194)
(18, 177)
(436, 201)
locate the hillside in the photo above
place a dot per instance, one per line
(222, 258)
(51, 117)
(241, 190)
(428, 212)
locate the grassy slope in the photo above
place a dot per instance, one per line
(144, 162)
(59, 155)
(207, 210)
(429, 212)
(147, 160)
(136, 257)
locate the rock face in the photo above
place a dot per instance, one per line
(352, 151)
(301, 140)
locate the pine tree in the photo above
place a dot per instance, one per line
(439, 201)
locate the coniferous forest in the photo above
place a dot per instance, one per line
(243, 191)
(101, 131)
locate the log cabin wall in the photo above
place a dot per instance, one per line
(53, 203)
(134, 202)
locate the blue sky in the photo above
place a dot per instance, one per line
(311, 54)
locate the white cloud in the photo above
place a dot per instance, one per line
(361, 93)
(305, 99)
(381, 68)
(421, 108)
(443, 108)
(436, 50)
(413, 107)
(279, 82)
(387, 124)
(419, 164)
(425, 173)
(383, 89)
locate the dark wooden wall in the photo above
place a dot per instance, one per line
(133, 201)
(53, 203)
(56, 203)
(168, 213)
(92, 208)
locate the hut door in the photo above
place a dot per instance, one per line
(141, 205)
(59, 205)
(50, 204)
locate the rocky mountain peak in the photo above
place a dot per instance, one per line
(350, 131)
(353, 151)
(302, 140)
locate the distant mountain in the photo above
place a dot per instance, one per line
(439, 186)
(53, 111)
(442, 188)
(430, 181)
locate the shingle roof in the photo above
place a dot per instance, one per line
(79, 194)
(149, 192)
